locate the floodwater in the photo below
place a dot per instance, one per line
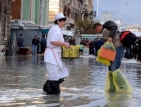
(22, 79)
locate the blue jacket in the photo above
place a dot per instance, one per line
(43, 41)
(99, 43)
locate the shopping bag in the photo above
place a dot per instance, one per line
(117, 82)
(108, 51)
(102, 60)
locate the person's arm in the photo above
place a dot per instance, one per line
(55, 40)
(112, 27)
(112, 33)
(23, 39)
(58, 43)
(38, 42)
(32, 41)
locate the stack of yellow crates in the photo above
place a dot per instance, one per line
(72, 52)
(65, 52)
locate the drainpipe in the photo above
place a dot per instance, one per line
(22, 9)
(31, 10)
(74, 9)
(47, 12)
(41, 11)
(8, 46)
(5, 38)
(80, 9)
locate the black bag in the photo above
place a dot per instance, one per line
(127, 38)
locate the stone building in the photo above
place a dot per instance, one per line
(30, 10)
(16, 9)
(5, 15)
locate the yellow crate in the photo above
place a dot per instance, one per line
(65, 52)
(72, 52)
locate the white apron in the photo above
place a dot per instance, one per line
(56, 72)
(57, 55)
(52, 56)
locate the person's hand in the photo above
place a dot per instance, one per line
(67, 45)
(110, 39)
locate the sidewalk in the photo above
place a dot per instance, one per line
(124, 60)
(130, 61)
(89, 56)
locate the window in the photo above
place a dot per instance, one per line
(61, 3)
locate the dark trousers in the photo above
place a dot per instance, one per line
(96, 50)
(91, 51)
(117, 62)
(38, 49)
(43, 48)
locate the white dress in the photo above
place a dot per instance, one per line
(52, 56)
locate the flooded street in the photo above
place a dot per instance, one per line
(22, 79)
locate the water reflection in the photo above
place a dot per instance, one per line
(119, 100)
(48, 100)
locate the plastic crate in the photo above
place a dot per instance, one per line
(72, 52)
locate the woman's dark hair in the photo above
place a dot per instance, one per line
(96, 24)
(63, 19)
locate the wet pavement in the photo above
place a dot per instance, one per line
(22, 79)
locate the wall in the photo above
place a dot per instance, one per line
(31, 11)
(5, 15)
(28, 36)
(26, 10)
(89, 36)
(16, 9)
(37, 11)
(53, 9)
(0, 20)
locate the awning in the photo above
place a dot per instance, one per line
(45, 31)
(17, 26)
(26, 26)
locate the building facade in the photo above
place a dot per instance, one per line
(134, 28)
(44, 11)
(28, 18)
(39, 12)
(31, 10)
(5, 15)
(70, 8)
(106, 16)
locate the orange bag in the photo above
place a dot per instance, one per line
(108, 51)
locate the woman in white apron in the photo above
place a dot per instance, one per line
(57, 70)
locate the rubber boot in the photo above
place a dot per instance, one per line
(112, 87)
(52, 87)
(56, 87)
(48, 87)
(61, 80)
(45, 86)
